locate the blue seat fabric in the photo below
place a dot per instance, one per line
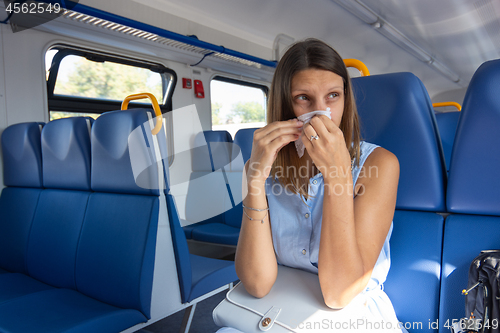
(225, 227)
(66, 148)
(15, 285)
(76, 258)
(473, 182)
(19, 205)
(64, 310)
(414, 277)
(396, 113)
(219, 233)
(54, 236)
(472, 193)
(447, 123)
(464, 238)
(22, 164)
(22, 160)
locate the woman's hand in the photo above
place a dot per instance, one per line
(329, 152)
(267, 142)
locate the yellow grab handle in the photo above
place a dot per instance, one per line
(359, 65)
(156, 108)
(455, 104)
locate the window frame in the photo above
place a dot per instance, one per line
(95, 105)
(264, 88)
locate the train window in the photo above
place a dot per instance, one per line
(82, 82)
(237, 104)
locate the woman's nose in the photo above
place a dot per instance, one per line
(319, 106)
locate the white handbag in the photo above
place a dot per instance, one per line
(294, 304)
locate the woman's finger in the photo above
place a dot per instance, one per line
(310, 132)
(280, 126)
(318, 123)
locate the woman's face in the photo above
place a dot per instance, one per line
(317, 89)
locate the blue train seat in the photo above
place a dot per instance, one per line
(226, 229)
(210, 163)
(197, 276)
(472, 195)
(396, 113)
(91, 248)
(22, 166)
(447, 123)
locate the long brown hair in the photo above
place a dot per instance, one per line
(308, 54)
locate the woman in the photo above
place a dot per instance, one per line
(329, 212)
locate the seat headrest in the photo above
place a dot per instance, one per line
(66, 153)
(473, 180)
(243, 141)
(123, 156)
(396, 113)
(212, 150)
(22, 155)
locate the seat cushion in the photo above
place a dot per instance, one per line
(188, 229)
(13, 285)
(216, 233)
(64, 310)
(210, 274)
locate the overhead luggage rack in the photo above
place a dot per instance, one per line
(88, 15)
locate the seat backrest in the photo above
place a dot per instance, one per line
(59, 216)
(22, 159)
(66, 153)
(396, 113)
(243, 141)
(447, 123)
(211, 157)
(240, 154)
(22, 166)
(212, 150)
(116, 250)
(473, 183)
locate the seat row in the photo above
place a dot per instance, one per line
(86, 243)
(76, 252)
(430, 256)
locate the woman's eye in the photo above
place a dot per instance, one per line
(301, 98)
(333, 95)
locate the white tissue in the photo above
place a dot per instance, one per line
(305, 118)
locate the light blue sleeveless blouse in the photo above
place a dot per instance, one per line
(296, 227)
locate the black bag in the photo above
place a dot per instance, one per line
(482, 294)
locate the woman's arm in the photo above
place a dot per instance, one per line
(255, 260)
(353, 230)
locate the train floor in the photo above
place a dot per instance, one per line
(202, 320)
